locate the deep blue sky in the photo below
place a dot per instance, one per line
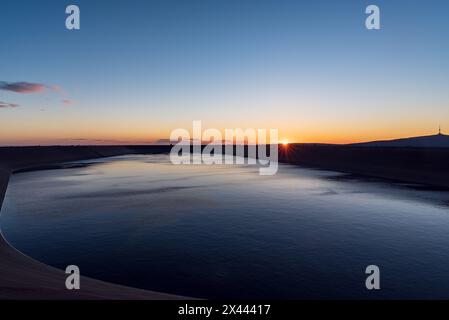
(138, 69)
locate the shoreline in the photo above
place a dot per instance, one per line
(23, 278)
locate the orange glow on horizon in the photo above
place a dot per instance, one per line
(91, 132)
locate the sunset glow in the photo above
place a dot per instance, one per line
(236, 67)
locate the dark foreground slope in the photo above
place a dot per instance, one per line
(433, 141)
(415, 165)
(24, 157)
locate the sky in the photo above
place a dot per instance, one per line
(136, 70)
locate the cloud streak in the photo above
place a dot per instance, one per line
(8, 105)
(26, 87)
(23, 87)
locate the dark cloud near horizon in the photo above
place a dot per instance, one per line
(8, 105)
(25, 87)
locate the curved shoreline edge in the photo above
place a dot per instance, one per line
(23, 278)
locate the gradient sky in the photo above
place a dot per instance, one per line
(138, 69)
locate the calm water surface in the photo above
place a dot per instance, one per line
(227, 232)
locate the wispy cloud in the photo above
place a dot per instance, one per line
(8, 105)
(23, 87)
(26, 87)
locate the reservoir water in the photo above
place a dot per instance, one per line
(227, 232)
